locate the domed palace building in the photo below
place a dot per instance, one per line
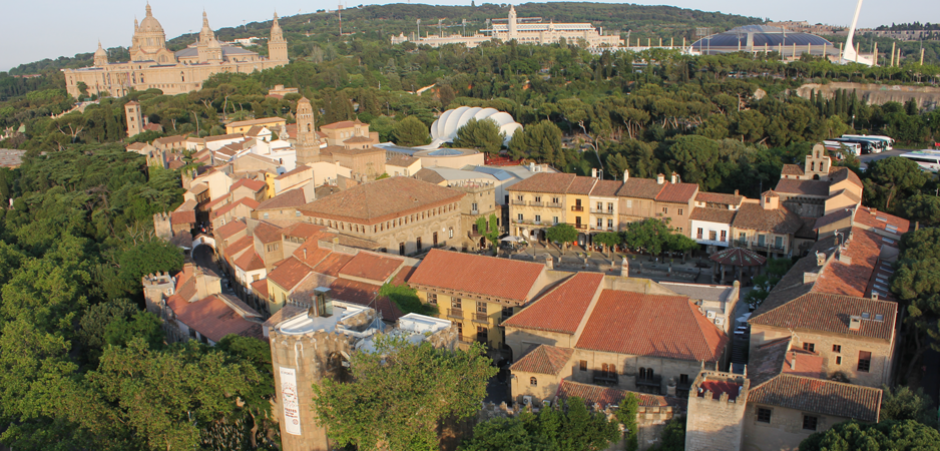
(152, 65)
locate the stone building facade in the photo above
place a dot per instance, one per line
(152, 65)
(717, 404)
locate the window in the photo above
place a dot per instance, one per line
(533, 382)
(555, 200)
(864, 361)
(481, 307)
(473, 206)
(724, 235)
(507, 312)
(683, 378)
(600, 223)
(680, 212)
(538, 219)
(839, 360)
(583, 365)
(712, 236)
(742, 236)
(555, 220)
(629, 203)
(600, 206)
(699, 233)
(665, 210)
(519, 218)
(432, 298)
(811, 347)
(763, 415)
(519, 198)
(610, 207)
(456, 303)
(401, 248)
(810, 423)
(610, 223)
(836, 348)
(538, 198)
(450, 232)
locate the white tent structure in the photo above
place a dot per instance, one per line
(444, 129)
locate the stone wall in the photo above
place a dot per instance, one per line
(716, 424)
(875, 94)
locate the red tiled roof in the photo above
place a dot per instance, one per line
(640, 188)
(562, 308)
(240, 245)
(230, 229)
(302, 230)
(267, 233)
(851, 277)
(370, 266)
(333, 263)
(545, 182)
(250, 261)
(260, 286)
(382, 200)
(882, 221)
(716, 215)
(289, 273)
(254, 185)
(838, 174)
(780, 221)
(359, 293)
(388, 309)
(677, 192)
(213, 203)
(246, 201)
(403, 275)
(803, 187)
(594, 394)
(313, 255)
(831, 313)
(792, 169)
(581, 185)
(340, 124)
(719, 198)
(288, 199)
(606, 188)
(819, 396)
(719, 387)
(488, 276)
(737, 256)
(640, 324)
(544, 359)
(213, 318)
(183, 217)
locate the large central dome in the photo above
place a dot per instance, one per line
(150, 24)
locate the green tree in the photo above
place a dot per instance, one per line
(655, 237)
(891, 178)
(626, 414)
(541, 142)
(673, 437)
(916, 281)
(400, 393)
(411, 132)
(562, 233)
(143, 325)
(609, 240)
(887, 435)
(902, 403)
(694, 158)
(767, 280)
(923, 208)
(489, 230)
(483, 135)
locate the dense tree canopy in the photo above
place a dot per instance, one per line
(887, 436)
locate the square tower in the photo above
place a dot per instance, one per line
(135, 118)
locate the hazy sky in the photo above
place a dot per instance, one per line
(31, 30)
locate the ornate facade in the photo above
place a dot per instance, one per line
(152, 65)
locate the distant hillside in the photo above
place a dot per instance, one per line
(378, 22)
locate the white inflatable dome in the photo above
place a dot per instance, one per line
(444, 129)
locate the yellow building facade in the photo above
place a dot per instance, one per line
(272, 123)
(152, 65)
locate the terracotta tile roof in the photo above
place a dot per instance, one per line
(717, 215)
(183, 217)
(366, 265)
(833, 217)
(807, 230)
(606, 188)
(545, 182)
(267, 233)
(251, 261)
(288, 199)
(581, 185)
(819, 396)
(427, 175)
(839, 174)
(677, 192)
(333, 263)
(390, 312)
(303, 230)
(170, 139)
(358, 139)
(246, 201)
(639, 324)
(213, 318)
(243, 243)
(803, 187)
(594, 394)
(751, 216)
(562, 308)
(289, 273)
(261, 287)
(488, 276)
(359, 293)
(544, 359)
(831, 313)
(340, 124)
(403, 275)
(719, 198)
(401, 160)
(223, 137)
(381, 200)
(216, 203)
(718, 387)
(254, 185)
(883, 221)
(230, 229)
(640, 188)
(737, 256)
(850, 277)
(792, 169)
(313, 255)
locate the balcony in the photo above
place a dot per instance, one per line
(517, 202)
(604, 377)
(536, 204)
(602, 212)
(554, 205)
(655, 381)
(455, 313)
(765, 246)
(474, 212)
(577, 208)
(481, 318)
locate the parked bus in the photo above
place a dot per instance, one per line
(835, 146)
(928, 160)
(868, 146)
(887, 141)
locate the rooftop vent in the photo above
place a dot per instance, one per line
(855, 323)
(820, 258)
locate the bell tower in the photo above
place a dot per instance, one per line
(307, 144)
(135, 118)
(277, 46)
(511, 26)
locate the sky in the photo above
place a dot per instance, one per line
(70, 27)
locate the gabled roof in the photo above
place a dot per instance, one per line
(831, 313)
(289, 273)
(544, 182)
(333, 263)
(630, 323)
(488, 276)
(359, 293)
(263, 120)
(381, 200)
(230, 229)
(366, 265)
(267, 233)
(839, 174)
(716, 215)
(719, 198)
(580, 185)
(288, 199)
(677, 192)
(214, 319)
(238, 246)
(562, 308)
(246, 201)
(251, 261)
(606, 188)
(792, 169)
(254, 185)
(797, 187)
(429, 176)
(544, 359)
(640, 188)
(780, 221)
(340, 124)
(880, 220)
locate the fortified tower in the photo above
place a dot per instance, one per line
(308, 143)
(156, 287)
(717, 402)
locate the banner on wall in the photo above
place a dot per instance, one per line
(290, 400)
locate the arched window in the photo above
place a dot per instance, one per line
(812, 166)
(182, 77)
(533, 381)
(309, 127)
(649, 373)
(642, 373)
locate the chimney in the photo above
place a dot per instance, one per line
(532, 167)
(626, 175)
(305, 254)
(549, 262)
(660, 179)
(820, 258)
(594, 172)
(736, 193)
(874, 295)
(855, 322)
(793, 361)
(674, 178)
